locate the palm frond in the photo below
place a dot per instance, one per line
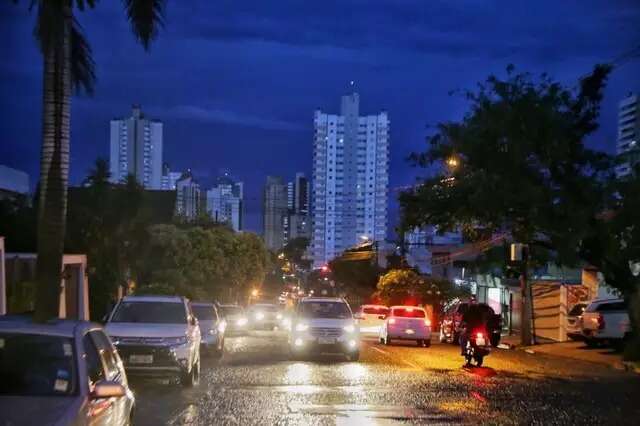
(146, 18)
(83, 4)
(49, 30)
(83, 76)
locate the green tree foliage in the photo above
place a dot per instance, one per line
(201, 263)
(400, 286)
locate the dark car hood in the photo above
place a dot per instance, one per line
(39, 410)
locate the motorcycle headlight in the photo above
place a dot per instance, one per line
(302, 327)
(175, 341)
(349, 328)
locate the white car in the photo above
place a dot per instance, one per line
(605, 321)
(157, 336)
(212, 328)
(406, 323)
(324, 325)
(369, 318)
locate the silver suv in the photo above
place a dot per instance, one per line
(157, 336)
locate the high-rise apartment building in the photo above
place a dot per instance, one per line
(628, 144)
(297, 223)
(275, 212)
(169, 178)
(136, 149)
(350, 179)
(188, 197)
(224, 202)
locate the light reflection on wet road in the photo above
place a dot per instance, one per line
(256, 383)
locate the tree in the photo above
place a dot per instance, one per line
(405, 286)
(68, 65)
(517, 163)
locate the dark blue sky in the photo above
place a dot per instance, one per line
(236, 83)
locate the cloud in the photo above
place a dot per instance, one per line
(214, 115)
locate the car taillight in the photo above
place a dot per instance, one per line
(392, 321)
(427, 322)
(600, 322)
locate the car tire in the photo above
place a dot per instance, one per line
(353, 356)
(479, 360)
(191, 378)
(427, 343)
(495, 340)
(420, 342)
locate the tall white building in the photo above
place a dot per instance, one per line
(297, 223)
(136, 148)
(628, 146)
(188, 202)
(274, 212)
(224, 202)
(350, 179)
(169, 178)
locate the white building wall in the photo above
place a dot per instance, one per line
(628, 133)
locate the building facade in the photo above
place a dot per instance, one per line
(628, 143)
(350, 179)
(297, 223)
(136, 149)
(169, 178)
(224, 202)
(274, 212)
(188, 197)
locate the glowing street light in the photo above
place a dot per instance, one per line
(453, 162)
(255, 292)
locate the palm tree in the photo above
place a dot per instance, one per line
(68, 65)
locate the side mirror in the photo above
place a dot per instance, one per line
(107, 389)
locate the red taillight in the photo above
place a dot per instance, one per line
(601, 322)
(427, 322)
(392, 321)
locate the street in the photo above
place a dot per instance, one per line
(256, 383)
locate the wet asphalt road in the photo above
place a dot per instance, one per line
(256, 383)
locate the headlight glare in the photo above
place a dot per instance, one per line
(302, 327)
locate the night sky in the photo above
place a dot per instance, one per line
(236, 82)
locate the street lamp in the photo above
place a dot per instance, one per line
(255, 292)
(453, 162)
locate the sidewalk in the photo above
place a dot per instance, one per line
(575, 350)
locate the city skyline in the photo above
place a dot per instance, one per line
(408, 73)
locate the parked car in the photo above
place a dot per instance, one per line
(236, 318)
(368, 317)
(606, 321)
(324, 325)
(212, 328)
(62, 372)
(157, 336)
(574, 321)
(264, 316)
(406, 323)
(450, 323)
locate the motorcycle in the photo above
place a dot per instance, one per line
(478, 346)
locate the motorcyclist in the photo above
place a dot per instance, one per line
(472, 319)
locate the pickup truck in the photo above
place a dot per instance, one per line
(605, 321)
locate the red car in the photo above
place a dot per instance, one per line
(451, 318)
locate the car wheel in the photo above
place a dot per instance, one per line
(427, 343)
(479, 360)
(495, 340)
(420, 342)
(353, 356)
(192, 378)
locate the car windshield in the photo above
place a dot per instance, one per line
(407, 313)
(325, 310)
(577, 310)
(231, 310)
(203, 312)
(36, 365)
(375, 310)
(150, 312)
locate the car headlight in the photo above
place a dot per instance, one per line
(259, 316)
(242, 321)
(349, 328)
(302, 327)
(175, 341)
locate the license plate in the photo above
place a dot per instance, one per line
(326, 340)
(480, 341)
(409, 331)
(141, 359)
